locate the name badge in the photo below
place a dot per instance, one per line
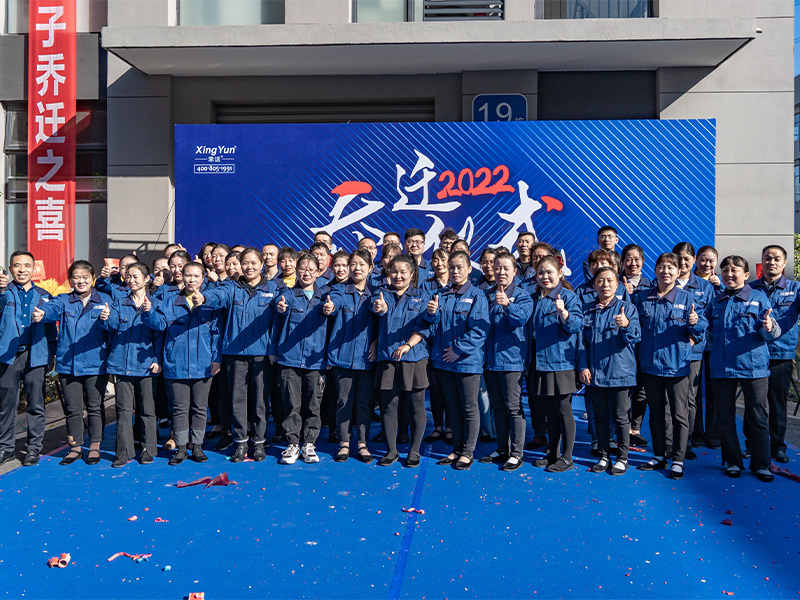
(681, 306)
(467, 300)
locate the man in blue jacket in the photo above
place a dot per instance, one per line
(26, 348)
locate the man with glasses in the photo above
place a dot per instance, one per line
(415, 246)
(607, 239)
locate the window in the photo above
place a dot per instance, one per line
(231, 12)
(796, 125)
(389, 11)
(380, 11)
(597, 9)
(90, 180)
(797, 181)
(90, 15)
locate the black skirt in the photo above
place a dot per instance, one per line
(556, 383)
(402, 376)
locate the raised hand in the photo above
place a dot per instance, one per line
(105, 271)
(621, 320)
(560, 304)
(158, 280)
(380, 306)
(105, 313)
(212, 275)
(433, 305)
(329, 306)
(38, 315)
(714, 280)
(628, 285)
(3, 280)
(767, 321)
(500, 297)
(147, 305)
(198, 298)
(692, 316)
(282, 305)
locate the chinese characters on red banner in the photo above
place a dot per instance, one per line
(51, 135)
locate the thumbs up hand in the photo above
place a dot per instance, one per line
(692, 316)
(562, 309)
(713, 279)
(105, 313)
(212, 275)
(328, 307)
(628, 285)
(198, 298)
(621, 320)
(147, 305)
(38, 315)
(433, 305)
(767, 322)
(500, 297)
(282, 305)
(380, 306)
(158, 280)
(3, 280)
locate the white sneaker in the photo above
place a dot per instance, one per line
(289, 456)
(310, 454)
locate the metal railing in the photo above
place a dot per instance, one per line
(464, 10)
(598, 9)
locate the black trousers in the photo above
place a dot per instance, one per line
(505, 398)
(10, 377)
(461, 397)
(705, 424)
(135, 395)
(611, 405)
(673, 392)
(162, 398)
(638, 403)
(780, 376)
(301, 397)
(755, 414)
(248, 378)
(353, 389)
(560, 424)
(391, 401)
(88, 391)
(276, 398)
(189, 409)
(536, 405)
(438, 408)
(328, 404)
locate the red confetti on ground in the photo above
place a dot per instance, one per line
(636, 449)
(728, 512)
(785, 472)
(197, 596)
(221, 479)
(133, 518)
(726, 522)
(413, 510)
(131, 556)
(160, 520)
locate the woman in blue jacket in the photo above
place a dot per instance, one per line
(507, 345)
(462, 312)
(135, 352)
(249, 310)
(670, 326)
(298, 346)
(556, 322)
(705, 423)
(176, 262)
(191, 358)
(351, 354)
(402, 370)
(740, 326)
(607, 365)
(80, 357)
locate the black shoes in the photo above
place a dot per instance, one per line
(178, 457)
(120, 461)
(596, 450)
(225, 440)
(463, 465)
(561, 465)
(546, 461)
(537, 442)
(690, 454)
(487, 439)
(342, 455)
(653, 465)
(495, 457)
(780, 456)
(733, 471)
(198, 455)
(380, 438)
(93, 458)
(435, 436)
(764, 475)
(446, 460)
(746, 452)
(333, 436)
(412, 460)
(74, 454)
(388, 460)
(31, 458)
(600, 466)
(259, 453)
(638, 440)
(6, 456)
(145, 458)
(239, 455)
(512, 464)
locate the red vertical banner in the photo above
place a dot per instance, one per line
(51, 134)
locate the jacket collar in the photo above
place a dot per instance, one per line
(94, 297)
(596, 304)
(556, 291)
(780, 282)
(298, 291)
(461, 291)
(670, 296)
(128, 300)
(509, 290)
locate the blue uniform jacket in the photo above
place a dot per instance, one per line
(588, 295)
(113, 286)
(424, 270)
(249, 314)
(462, 325)
(644, 283)
(405, 315)
(192, 340)
(785, 300)
(702, 293)
(665, 349)
(43, 335)
(354, 328)
(507, 341)
(739, 347)
(556, 341)
(608, 351)
(82, 340)
(133, 346)
(431, 286)
(299, 334)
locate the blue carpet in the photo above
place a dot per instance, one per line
(338, 530)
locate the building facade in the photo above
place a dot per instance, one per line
(146, 65)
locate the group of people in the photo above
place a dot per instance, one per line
(316, 337)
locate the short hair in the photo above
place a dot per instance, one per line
(459, 254)
(360, 253)
(167, 253)
(414, 232)
(550, 248)
(158, 258)
(605, 270)
(268, 245)
(524, 233)
(306, 257)
(320, 246)
(448, 234)
(712, 250)
(342, 254)
(365, 238)
(239, 246)
(130, 255)
(394, 233)
(182, 254)
(410, 261)
(80, 265)
(506, 255)
(287, 252)
(684, 247)
(780, 249)
(669, 257)
(736, 261)
(223, 246)
(248, 250)
(486, 251)
(235, 254)
(193, 264)
(141, 267)
(607, 229)
(633, 248)
(461, 241)
(17, 253)
(391, 248)
(600, 256)
(322, 232)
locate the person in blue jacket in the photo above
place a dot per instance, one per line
(176, 262)
(404, 325)
(415, 246)
(784, 296)
(26, 351)
(670, 326)
(556, 322)
(112, 281)
(351, 354)
(607, 365)
(740, 327)
(506, 354)
(80, 357)
(702, 292)
(134, 357)
(249, 309)
(381, 278)
(457, 352)
(192, 356)
(298, 346)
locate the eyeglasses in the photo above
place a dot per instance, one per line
(607, 236)
(415, 242)
(307, 270)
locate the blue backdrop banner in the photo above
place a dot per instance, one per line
(251, 184)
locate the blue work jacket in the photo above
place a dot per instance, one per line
(133, 346)
(249, 315)
(43, 335)
(113, 286)
(405, 315)
(556, 341)
(665, 349)
(607, 350)
(192, 338)
(299, 335)
(462, 325)
(588, 295)
(738, 346)
(785, 300)
(507, 341)
(82, 339)
(354, 328)
(431, 286)
(644, 283)
(424, 270)
(702, 293)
